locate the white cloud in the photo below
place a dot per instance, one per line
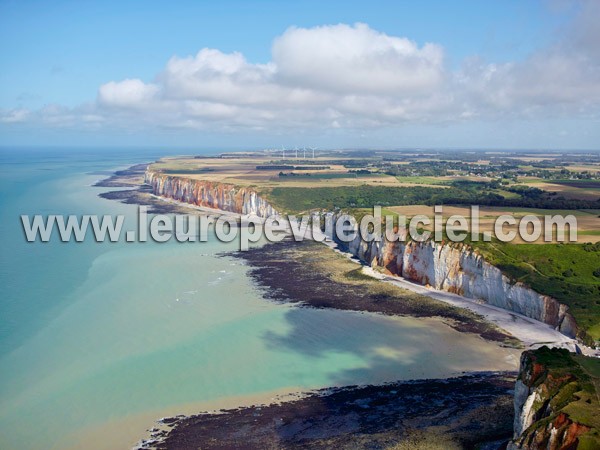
(560, 79)
(129, 93)
(356, 59)
(14, 115)
(353, 77)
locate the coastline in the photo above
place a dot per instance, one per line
(136, 428)
(139, 194)
(479, 320)
(461, 324)
(536, 333)
(470, 410)
(135, 192)
(324, 279)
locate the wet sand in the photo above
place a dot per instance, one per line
(131, 430)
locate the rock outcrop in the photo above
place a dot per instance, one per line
(556, 403)
(223, 196)
(459, 269)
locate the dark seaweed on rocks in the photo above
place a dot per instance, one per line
(124, 178)
(137, 193)
(472, 410)
(286, 272)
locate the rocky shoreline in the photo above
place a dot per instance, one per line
(465, 412)
(305, 273)
(137, 193)
(129, 177)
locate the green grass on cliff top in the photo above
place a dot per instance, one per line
(577, 395)
(569, 273)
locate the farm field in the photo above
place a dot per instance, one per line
(571, 189)
(588, 221)
(242, 170)
(410, 183)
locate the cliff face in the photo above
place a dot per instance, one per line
(226, 197)
(556, 404)
(458, 269)
(452, 268)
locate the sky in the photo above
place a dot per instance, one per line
(511, 74)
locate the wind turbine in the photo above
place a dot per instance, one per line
(296, 152)
(313, 150)
(283, 152)
(304, 152)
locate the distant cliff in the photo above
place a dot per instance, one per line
(450, 267)
(556, 401)
(459, 269)
(223, 196)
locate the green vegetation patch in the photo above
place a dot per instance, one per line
(298, 199)
(327, 176)
(186, 171)
(422, 180)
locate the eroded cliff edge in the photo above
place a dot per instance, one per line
(461, 270)
(226, 197)
(556, 401)
(454, 268)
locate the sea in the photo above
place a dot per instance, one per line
(99, 340)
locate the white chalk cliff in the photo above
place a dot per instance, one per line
(459, 269)
(226, 197)
(449, 267)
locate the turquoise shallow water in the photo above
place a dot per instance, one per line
(93, 335)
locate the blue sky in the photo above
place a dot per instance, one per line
(56, 56)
